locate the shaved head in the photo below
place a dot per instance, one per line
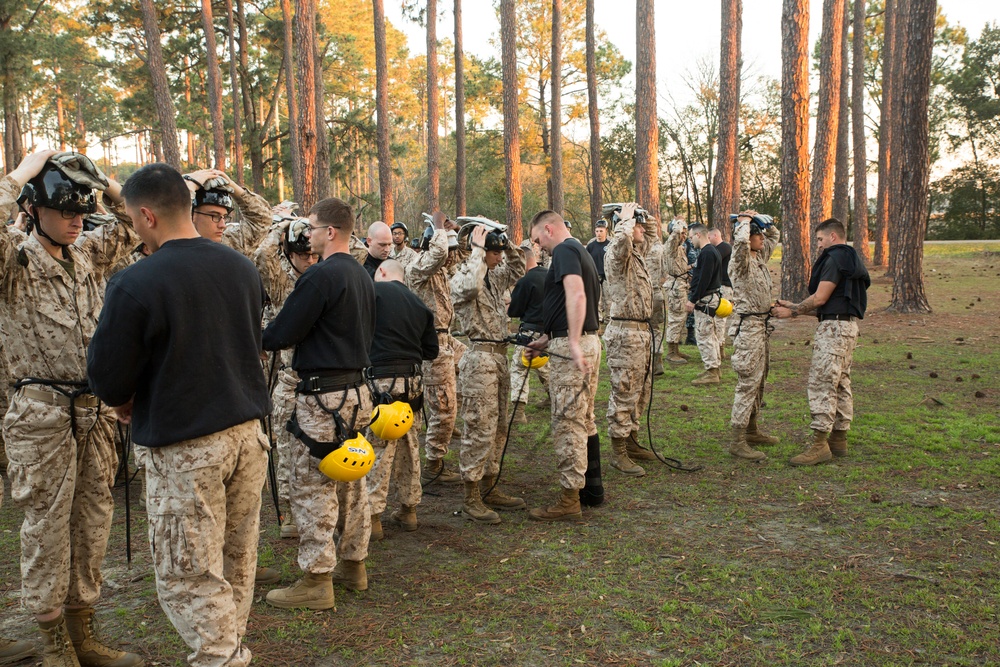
(389, 270)
(379, 240)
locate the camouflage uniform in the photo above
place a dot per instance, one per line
(396, 459)
(705, 332)
(404, 256)
(203, 502)
(478, 295)
(60, 477)
(519, 388)
(359, 250)
(656, 265)
(321, 505)
(427, 277)
(678, 284)
(627, 338)
(830, 399)
(255, 213)
(751, 303)
(6, 381)
(573, 407)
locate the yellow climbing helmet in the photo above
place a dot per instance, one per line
(536, 362)
(391, 421)
(725, 308)
(349, 462)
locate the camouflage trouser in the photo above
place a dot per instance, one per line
(5, 382)
(439, 398)
(658, 318)
(604, 306)
(519, 384)
(321, 505)
(723, 324)
(676, 315)
(751, 358)
(396, 459)
(830, 400)
(628, 356)
(283, 404)
(573, 407)
(485, 384)
(62, 481)
(707, 335)
(203, 501)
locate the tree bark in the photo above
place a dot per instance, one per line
(234, 82)
(842, 177)
(459, 113)
(382, 116)
(433, 157)
(596, 194)
(908, 295)
(647, 129)
(214, 87)
(795, 230)
(511, 130)
(165, 111)
(860, 229)
(726, 188)
(12, 141)
(828, 114)
(291, 95)
(305, 67)
(556, 159)
(899, 130)
(881, 257)
(322, 136)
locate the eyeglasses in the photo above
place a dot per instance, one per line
(312, 227)
(216, 218)
(68, 215)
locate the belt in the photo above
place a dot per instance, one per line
(55, 398)
(495, 348)
(392, 370)
(316, 383)
(531, 326)
(842, 318)
(631, 324)
(442, 331)
(565, 334)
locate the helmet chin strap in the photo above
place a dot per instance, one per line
(35, 224)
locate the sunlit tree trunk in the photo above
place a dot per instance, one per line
(165, 111)
(557, 204)
(828, 114)
(433, 157)
(842, 178)
(647, 129)
(899, 131)
(213, 84)
(511, 132)
(881, 257)
(595, 120)
(726, 187)
(382, 116)
(322, 136)
(860, 235)
(234, 82)
(305, 68)
(459, 113)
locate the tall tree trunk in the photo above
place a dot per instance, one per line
(647, 129)
(885, 138)
(13, 149)
(596, 194)
(234, 82)
(382, 116)
(214, 87)
(459, 113)
(556, 159)
(191, 152)
(511, 131)
(256, 130)
(433, 158)
(737, 169)
(828, 114)
(322, 135)
(908, 295)
(860, 235)
(795, 230)
(726, 197)
(305, 67)
(60, 115)
(842, 178)
(165, 111)
(898, 134)
(292, 95)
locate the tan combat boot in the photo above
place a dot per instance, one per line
(313, 591)
(12, 651)
(57, 649)
(620, 459)
(838, 442)
(757, 437)
(497, 499)
(434, 471)
(635, 451)
(722, 352)
(91, 651)
(473, 507)
(710, 376)
(376, 534)
(519, 415)
(351, 574)
(657, 363)
(740, 448)
(265, 576)
(406, 516)
(674, 355)
(566, 509)
(289, 530)
(818, 452)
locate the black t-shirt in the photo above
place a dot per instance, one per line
(404, 327)
(329, 318)
(570, 258)
(372, 263)
(597, 249)
(707, 276)
(726, 252)
(841, 265)
(527, 299)
(180, 334)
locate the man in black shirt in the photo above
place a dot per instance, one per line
(703, 298)
(597, 248)
(526, 304)
(726, 253)
(379, 244)
(572, 291)
(177, 351)
(330, 319)
(404, 337)
(838, 294)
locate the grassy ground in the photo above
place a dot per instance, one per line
(887, 557)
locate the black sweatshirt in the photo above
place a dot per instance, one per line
(372, 263)
(707, 276)
(726, 253)
(526, 299)
(180, 331)
(329, 317)
(404, 327)
(840, 264)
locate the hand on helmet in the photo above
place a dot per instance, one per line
(478, 237)
(31, 166)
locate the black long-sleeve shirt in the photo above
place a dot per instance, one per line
(371, 264)
(527, 299)
(707, 276)
(726, 253)
(329, 317)
(180, 332)
(404, 327)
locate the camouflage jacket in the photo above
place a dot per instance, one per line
(656, 265)
(404, 256)
(278, 276)
(479, 294)
(627, 284)
(675, 259)
(748, 271)
(255, 214)
(427, 278)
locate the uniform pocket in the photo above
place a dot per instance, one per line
(34, 432)
(178, 549)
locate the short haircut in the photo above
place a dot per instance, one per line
(545, 217)
(393, 270)
(832, 225)
(697, 228)
(334, 212)
(715, 230)
(160, 188)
